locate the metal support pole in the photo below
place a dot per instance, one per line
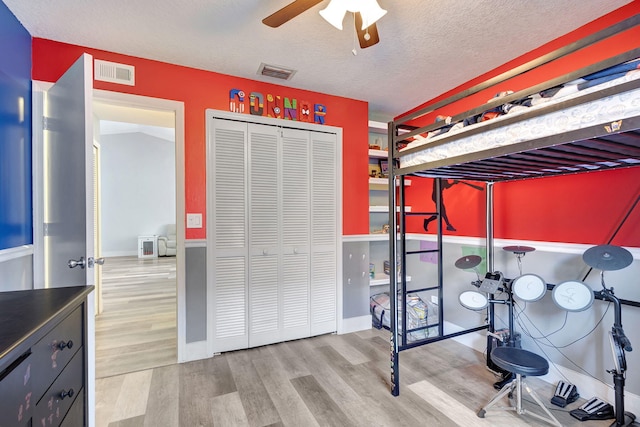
(489, 246)
(393, 279)
(401, 235)
(440, 258)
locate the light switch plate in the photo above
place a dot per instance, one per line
(194, 220)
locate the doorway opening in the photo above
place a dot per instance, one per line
(137, 222)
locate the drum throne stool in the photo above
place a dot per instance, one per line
(521, 363)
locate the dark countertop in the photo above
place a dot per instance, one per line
(23, 315)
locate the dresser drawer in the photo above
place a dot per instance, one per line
(54, 405)
(52, 353)
(75, 416)
(16, 402)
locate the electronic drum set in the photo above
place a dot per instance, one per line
(571, 295)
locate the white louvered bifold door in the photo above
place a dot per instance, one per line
(273, 231)
(265, 308)
(228, 147)
(324, 228)
(296, 224)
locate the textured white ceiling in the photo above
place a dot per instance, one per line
(426, 47)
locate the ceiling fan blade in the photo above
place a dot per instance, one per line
(289, 12)
(367, 37)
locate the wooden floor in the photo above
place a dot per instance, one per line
(331, 380)
(137, 328)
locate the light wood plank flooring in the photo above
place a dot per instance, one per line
(137, 328)
(331, 380)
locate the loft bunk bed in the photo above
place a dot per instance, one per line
(582, 121)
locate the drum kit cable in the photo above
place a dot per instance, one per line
(570, 295)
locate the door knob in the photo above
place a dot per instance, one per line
(91, 262)
(75, 263)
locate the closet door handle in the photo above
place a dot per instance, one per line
(265, 252)
(295, 251)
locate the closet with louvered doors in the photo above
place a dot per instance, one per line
(275, 274)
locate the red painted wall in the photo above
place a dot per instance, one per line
(200, 90)
(465, 207)
(585, 208)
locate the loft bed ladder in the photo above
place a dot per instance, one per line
(402, 277)
(398, 279)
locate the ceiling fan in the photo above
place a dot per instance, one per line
(366, 13)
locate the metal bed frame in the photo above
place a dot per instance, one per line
(569, 149)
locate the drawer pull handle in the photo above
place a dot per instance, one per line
(67, 344)
(64, 394)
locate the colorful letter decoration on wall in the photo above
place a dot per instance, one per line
(256, 104)
(319, 111)
(273, 106)
(289, 109)
(239, 106)
(305, 111)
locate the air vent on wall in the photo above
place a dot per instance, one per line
(114, 73)
(275, 72)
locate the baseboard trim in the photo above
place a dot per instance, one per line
(355, 324)
(108, 254)
(194, 351)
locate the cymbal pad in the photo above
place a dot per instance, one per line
(607, 257)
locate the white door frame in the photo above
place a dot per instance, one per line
(128, 100)
(138, 101)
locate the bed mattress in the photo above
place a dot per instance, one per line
(606, 111)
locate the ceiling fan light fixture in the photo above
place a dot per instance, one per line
(371, 12)
(336, 10)
(334, 13)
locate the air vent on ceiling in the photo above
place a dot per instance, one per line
(114, 73)
(275, 72)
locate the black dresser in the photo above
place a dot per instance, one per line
(43, 358)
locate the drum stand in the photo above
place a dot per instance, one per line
(609, 258)
(619, 344)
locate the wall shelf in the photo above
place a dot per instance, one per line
(378, 154)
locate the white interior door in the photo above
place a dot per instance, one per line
(68, 178)
(227, 193)
(264, 236)
(296, 224)
(68, 194)
(325, 206)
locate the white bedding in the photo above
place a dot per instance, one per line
(601, 111)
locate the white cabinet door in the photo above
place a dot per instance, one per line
(228, 226)
(324, 228)
(265, 309)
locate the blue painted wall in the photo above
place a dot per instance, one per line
(15, 132)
